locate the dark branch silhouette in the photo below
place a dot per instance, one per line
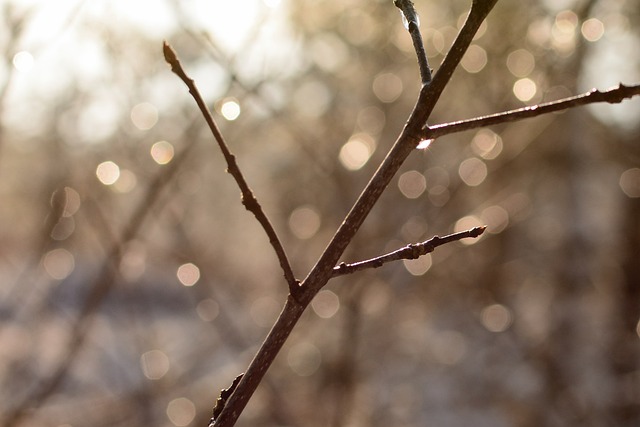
(248, 199)
(412, 251)
(611, 96)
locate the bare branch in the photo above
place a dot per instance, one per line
(611, 96)
(412, 251)
(322, 271)
(248, 199)
(412, 23)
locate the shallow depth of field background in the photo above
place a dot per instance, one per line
(535, 323)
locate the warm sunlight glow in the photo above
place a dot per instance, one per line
(387, 87)
(487, 144)
(474, 59)
(325, 304)
(230, 109)
(592, 29)
(496, 219)
(630, 182)
(466, 223)
(357, 151)
(424, 144)
(472, 171)
(154, 364)
(521, 63)
(188, 274)
(304, 222)
(23, 61)
(144, 115)
(181, 411)
(418, 266)
(412, 184)
(525, 89)
(162, 152)
(496, 318)
(58, 263)
(108, 172)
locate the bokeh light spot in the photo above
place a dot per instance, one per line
(387, 87)
(418, 266)
(144, 116)
(126, 181)
(356, 152)
(412, 184)
(474, 60)
(487, 144)
(325, 304)
(496, 318)
(23, 61)
(304, 359)
(467, 223)
(58, 263)
(162, 152)
(630, 182)
(371, 120)
(181, 411)
(496, 218)
(230, 108)
(188, 274)
(472, 171)
(525, 89)
(304, 222)
(154, 364)
(521, 62)
(208, 309)
(592, 29)
(108, 172)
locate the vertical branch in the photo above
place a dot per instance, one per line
(412, 23)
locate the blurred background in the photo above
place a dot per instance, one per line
(134, 285)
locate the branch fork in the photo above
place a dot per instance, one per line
(234, 399)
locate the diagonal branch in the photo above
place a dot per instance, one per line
(611, 96)
(412, 251)
(323, 269)
(248, 199)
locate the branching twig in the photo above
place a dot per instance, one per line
(412, 251)
(248, 199)
(323, 269)
(611, 96)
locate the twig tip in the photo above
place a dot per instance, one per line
(169, 54)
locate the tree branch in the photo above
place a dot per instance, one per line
(323, 269)
(412, 24)
(611, 96)
(411, 251)
(248, 199)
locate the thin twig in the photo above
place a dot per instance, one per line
(412, 21)
(611, 96)
(248, 199)
(320, 274)
(412, 251)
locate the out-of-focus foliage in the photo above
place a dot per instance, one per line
(535, 323)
